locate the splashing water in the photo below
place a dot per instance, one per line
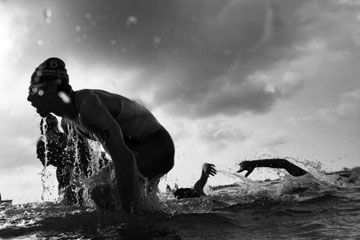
(311, 206)
(245, 209)
(78, 177)
(47, 185)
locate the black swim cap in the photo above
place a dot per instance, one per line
(52, 69)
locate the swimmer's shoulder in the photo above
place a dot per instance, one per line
(103, 96)
(93, 98)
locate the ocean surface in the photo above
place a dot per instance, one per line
(290, 208)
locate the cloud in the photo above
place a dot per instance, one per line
(17, 140)
(219, 133)
(195, 57)
(348, 107)
(274, 140)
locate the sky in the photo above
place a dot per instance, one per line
(231, 80)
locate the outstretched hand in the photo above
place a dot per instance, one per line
(248, 166)
(209, 169)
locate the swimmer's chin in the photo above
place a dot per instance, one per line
(42, 113)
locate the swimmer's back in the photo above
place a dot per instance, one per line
(136, 121)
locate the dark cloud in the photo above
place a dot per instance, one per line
(200, 46)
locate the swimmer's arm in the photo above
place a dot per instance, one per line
(200, 184)
(207, 169)
(96, 118)
(272, 163)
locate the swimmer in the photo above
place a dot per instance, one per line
(304, 181)
(137, 143)
(198, 189)
(291, 168)
(347, 175)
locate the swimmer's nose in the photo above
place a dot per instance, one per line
(29, 98)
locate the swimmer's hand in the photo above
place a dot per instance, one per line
(209, 169)
(249, 166)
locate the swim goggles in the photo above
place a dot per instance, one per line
(34, 88)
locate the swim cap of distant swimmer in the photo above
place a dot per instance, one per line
(52, 69)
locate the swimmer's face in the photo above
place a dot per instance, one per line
(41, 96)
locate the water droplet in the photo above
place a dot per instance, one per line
(130, 21)
(64, 97)
(78, 28)
(47, 15)
(113, 42)
(157, 40)
(40, 42)
(88, 16)
(41, 92)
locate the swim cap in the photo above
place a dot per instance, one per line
(52, 69)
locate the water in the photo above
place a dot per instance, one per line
(244, 210)
(314, 206)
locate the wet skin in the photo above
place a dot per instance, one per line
(94, 111)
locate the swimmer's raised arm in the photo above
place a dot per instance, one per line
(96, 118)
(291, 168)
(207, 169)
